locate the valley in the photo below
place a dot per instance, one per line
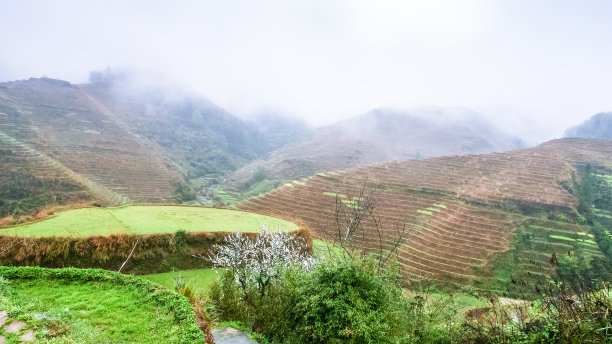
(109, 175)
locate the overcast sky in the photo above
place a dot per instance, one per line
(535, 65)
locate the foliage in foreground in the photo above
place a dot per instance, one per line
(260, 260)
(95, 306)
(336, 302)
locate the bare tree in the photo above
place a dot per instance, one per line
(356, 216)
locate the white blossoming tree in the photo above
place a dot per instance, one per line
(259, 261)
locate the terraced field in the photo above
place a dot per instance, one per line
(55, 125)
(462, 210)
(145, 220)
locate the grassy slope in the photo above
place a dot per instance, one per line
(99, 311)
(146, 220)
(94, 307)
(199, 280)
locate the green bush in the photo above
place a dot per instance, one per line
(183, 193)
(338, 302)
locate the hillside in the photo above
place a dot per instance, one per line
(57, 127)
(599, 126)
(462, 212)
(378, 136)
(125, 138)
(198, 137)
(114, 141)
(91, 306)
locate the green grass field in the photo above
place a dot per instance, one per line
(146, 220)
(93, 308)
(199, 280)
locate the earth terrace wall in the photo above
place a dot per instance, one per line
(154, 253)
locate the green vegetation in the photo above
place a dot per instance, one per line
(343, 302)
(332, 194)
(198, 280)
(539, 249)
(352, 300)
(183, 193)
(259, 183)
(571, 239)
(606, 178)
(424, 212)
(146, 220)
(338, 302)
(323, 249)
(94, 306)
(224, 197)
(598, 126)
(353, 203)
(22, 192)
(260, 188)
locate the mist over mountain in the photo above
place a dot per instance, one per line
(279, 130)
(383, 135)
(197, 135)
(121, 138)
(597, 127)
(134, 116)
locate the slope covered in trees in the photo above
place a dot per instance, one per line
(599, 126)
(200, 138)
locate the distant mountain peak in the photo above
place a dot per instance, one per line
(599, 126)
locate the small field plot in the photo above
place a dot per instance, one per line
(67, 306)
(146, 220)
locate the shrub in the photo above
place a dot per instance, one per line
(183, 193)
(341, 302)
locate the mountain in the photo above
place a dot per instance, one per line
(199, 137)
(493, 220)
(113, 141)
(599, 126)
(377, 136)
(279, 130)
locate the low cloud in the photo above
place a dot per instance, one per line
(522, 63)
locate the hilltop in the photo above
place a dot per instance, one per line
(599, 126)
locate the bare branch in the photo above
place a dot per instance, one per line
(128, 258)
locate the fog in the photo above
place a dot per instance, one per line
(534, 68)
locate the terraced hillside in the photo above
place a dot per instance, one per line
(381, 135)
(56, 127)
(200, 138)
(29, 180)
(463, 210)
